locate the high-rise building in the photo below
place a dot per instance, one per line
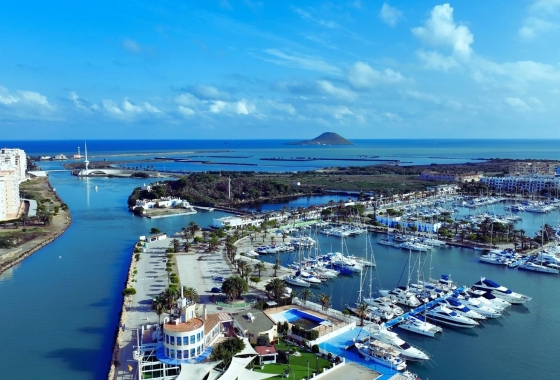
(13, 164)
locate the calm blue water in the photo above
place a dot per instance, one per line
(60, 307)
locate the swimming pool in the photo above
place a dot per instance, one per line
(299, 317)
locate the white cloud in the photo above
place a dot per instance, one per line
(20, 98)
(82, 104)
(202, 91)
(361, 76)
(423, 96)
(440, 30)
(185, 111)
(533, 26)
(545, 6)
(390, 15)
(308, 16)
(330, 89)
(435, 61)
(131, 46)
(128, 110)
(521, 71)
(518, 104)
(301, 61)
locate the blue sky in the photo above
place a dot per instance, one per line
(279, 69)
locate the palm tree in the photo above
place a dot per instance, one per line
(242, 265)
(361, 312)
(305, 294)
(158, 305)
(325, 300)
(234, 287)
(193, 227)
(276, 287)
(276, 266)
(186, 245)
(170, 296)
(260, 266)
(248, 271)
(175, 244)
(190, 294)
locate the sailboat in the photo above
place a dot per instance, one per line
(539, 265)
(386, 241)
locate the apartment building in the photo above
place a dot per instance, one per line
(13, 164)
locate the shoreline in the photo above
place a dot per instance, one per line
(19, 255)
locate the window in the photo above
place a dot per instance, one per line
(186, 354)
(179, 354)
(185, 340)
(178, 341)
(198, 337)
(198, 350)
(193, 339)
(192, 353)
(166, 338)
(172, 340)
(166, 351)
(172, 356)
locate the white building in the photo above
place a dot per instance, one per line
(236, 221)
(421, 226)
(520, 184)
(13, 164)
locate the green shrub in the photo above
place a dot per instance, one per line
(129, 292)
(315, 349)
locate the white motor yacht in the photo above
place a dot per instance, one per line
(444, 315)
(386, 242)
(381, 353)
(296, 281)
(407, 351)
(461, 309)
(419, 326)
(401, 295)
(489, 299)
(385, 303)
(478, 306)
(501, 291)
(537, 266)
(306, 276)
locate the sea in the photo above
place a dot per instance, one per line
(60, 307)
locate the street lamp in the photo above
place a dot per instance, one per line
(308, 369)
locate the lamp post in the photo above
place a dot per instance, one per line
(308, 369)
(316, 364)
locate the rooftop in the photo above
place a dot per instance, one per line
(214, 319)
(190, 325)
(266, 350)
(261, 321)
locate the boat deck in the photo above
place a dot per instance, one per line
(342, 345)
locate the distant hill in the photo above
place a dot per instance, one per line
(327, 138)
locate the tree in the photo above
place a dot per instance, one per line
(129, 292)
(263, 340)
(276, 287)
(193, 228)
(175, 244)
(186, 245)
(325, 300)
(305, 294)
(260, 266)
(170, 295)
(154, 231)
(190, 294)
(234, 286)
(226, 350)
(158, 305)
(361, 312)
(276, 266)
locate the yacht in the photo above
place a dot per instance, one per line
(492, 258)
(381, 353)
(489, 299)
(536, 266)
(413, 246)
(305, 276)
(449, 317)
(478, 306)
(419, 326)
(407, 351)
(296, 281)
(501, 291)
(385, 303)
(402, 295)
(461, 309)
(386, 242)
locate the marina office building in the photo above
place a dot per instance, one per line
(13, 163)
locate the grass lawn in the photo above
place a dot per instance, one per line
(298, 365)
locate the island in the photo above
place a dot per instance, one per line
(327, 138)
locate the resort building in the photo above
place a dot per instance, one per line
(254, 323)
(533, 184)
(524, 168)
(13, 163)
(396, 221)
(236, 221)
(164, 202)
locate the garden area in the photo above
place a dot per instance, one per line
(293, 363)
